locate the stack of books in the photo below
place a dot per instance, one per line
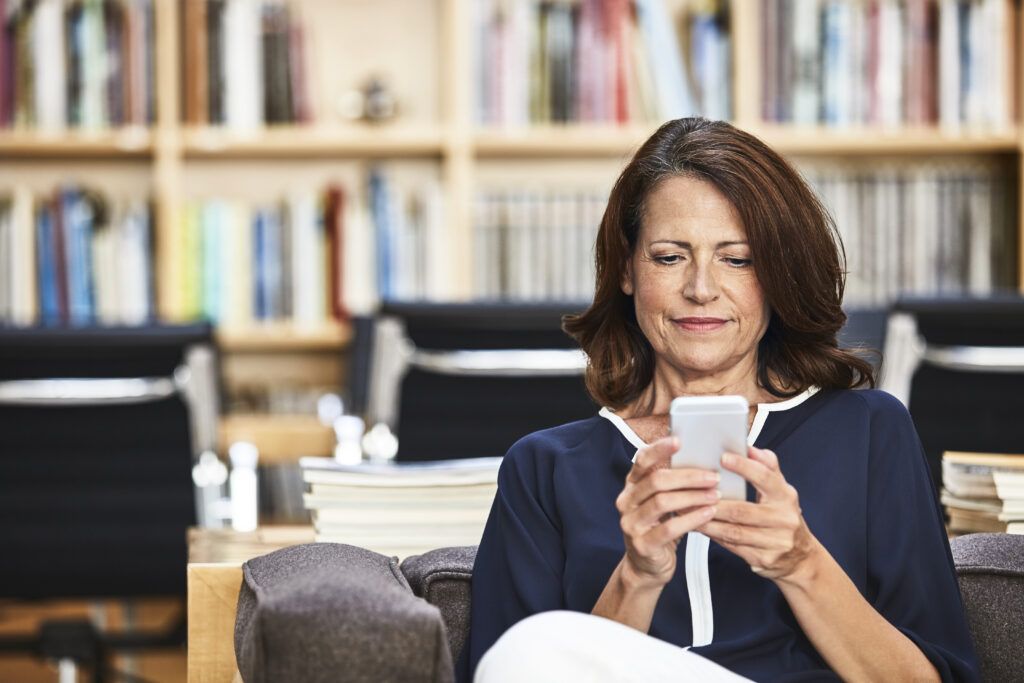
(535, 244)
(246, 63)
(983, 492)
(887, 62)
(75, 256)
(919, 228)
(85, 64)
(601, 61)
(400, 509)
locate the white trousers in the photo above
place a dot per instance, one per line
(573, 646)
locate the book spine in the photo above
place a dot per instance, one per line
(334, 216)
(260, 305)
(215, 62)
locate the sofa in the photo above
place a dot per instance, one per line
(331, 612)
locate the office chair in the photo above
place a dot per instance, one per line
(958, 365)
(467, 380)
(99, 430)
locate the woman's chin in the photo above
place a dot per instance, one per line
(702, 365)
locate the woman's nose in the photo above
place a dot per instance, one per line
(700, 286)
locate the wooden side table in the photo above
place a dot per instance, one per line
(215, 558)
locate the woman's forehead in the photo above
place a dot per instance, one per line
(689, 209)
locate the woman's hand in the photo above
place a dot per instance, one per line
(657, 506)
(771, 534)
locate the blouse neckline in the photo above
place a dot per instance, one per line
(760, 417)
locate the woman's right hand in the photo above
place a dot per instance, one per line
(657, 506)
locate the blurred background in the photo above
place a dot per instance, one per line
(222, 199)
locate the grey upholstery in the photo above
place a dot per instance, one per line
(330, 612)
(991, 572)
(442, 578)
(376, 617)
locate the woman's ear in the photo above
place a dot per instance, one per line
(627, 278)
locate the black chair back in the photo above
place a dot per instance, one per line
(96, 490)
(965, 393)
(452, 400)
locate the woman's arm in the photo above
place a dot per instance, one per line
(856, 641)
(771, 535)
(628, 599)
(657, 506)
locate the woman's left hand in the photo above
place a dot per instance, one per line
(771, 534)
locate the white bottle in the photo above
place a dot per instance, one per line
(244, 503)
(348, 430)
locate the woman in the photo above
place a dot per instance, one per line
(718, 273)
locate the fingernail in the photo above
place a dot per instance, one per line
(729, 459)
(709, 512)
(711, 477)
(714, 495)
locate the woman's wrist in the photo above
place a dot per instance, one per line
(628, 598)
(807, 573)
(635, 582)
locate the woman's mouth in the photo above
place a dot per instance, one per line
(702, 324)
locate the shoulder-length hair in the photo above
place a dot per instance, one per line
(797, 254)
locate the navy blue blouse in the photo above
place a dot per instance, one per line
(552, 539)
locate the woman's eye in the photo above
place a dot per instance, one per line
(737, 262)
(667, 259)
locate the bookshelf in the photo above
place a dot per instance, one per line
(428, 51)
(284, 337)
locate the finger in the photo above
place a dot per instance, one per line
(765, 457)
(752, 514)
(653, 456)
(739, 535)
(675, 527)
(672, 478)
(768, 482)
(648, 514)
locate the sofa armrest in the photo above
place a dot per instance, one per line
(990, 568)
(443, 577)
(324, 612)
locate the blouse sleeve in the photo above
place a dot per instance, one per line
(911, 578)
(519, 563)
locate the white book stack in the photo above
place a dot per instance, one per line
(400, 509)
(983, 492)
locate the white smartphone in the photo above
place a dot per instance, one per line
(707, 427)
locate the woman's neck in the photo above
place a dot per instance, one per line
(669, 382)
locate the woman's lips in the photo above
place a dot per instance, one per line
(700, 324)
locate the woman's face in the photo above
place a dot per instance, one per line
(692, 279)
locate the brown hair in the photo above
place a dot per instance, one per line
(797, 256)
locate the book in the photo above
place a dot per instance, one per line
(400, 508)
(887, 63)
(471, 471)
(600, 61)
(983, 491)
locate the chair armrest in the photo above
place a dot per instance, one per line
(443, 578)
(990, 568)
(307, 612)
(989, 553)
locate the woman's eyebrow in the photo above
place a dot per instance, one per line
(687, 245)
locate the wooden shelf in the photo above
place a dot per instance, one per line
(133, 142)
(555, 141)
(284, 337)
(880, 141)
(582, 140)
(544, 141)
(279, 438)
(313, 141)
